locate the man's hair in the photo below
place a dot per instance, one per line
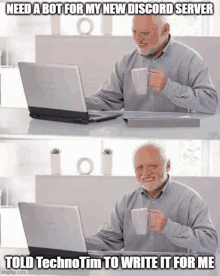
(158, 19)
(152, 145)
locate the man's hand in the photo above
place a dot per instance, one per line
(157, 220)
(157, 80)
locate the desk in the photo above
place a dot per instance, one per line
(109, 272)
(17, 124)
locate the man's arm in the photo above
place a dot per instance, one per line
(110, 95)
(110, 236)
(200, 235)
(199, 95)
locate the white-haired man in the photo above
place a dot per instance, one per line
(179, 79)
(179, 219)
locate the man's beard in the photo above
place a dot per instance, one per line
(156, 185)
(150, 188)
(152, 48)
(148, 51)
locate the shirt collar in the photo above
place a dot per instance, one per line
(165, 49)
(165, 187)
(169, 44)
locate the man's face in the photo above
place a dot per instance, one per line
(150, 168)
(147, 35)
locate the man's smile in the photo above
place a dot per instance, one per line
(148, 179)
(143, 45)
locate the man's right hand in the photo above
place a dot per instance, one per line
(157, 220)
(157, 80)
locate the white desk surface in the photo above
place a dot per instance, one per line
(107, 272)
(17, 124)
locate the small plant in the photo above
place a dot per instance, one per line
(55, 151)
(107, 151)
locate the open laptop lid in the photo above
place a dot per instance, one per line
(52, 228)
(54, 90)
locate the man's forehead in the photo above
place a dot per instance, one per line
(144, 21)
(148, 153)
(142, 29)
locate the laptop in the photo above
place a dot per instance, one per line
(54, 230)
(55, 93)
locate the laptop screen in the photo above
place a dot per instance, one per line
(53, 86)
(53, 226)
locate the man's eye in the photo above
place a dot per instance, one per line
(154, 166)
(139, 168)
(146, 33)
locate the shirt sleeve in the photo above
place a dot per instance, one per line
(199, 94)
(200, 234)
(110, 235)
(110, 95)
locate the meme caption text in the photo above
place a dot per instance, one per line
(112, 262)
(119, 8)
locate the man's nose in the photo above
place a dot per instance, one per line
(146, 171)
(139, 36)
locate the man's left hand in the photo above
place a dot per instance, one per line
(157, 220)
(157, 80)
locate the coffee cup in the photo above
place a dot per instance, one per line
(140, 220)
(140, 78)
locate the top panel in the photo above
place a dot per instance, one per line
(184, 109)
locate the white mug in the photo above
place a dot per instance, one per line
(140, 220)
(140, 78)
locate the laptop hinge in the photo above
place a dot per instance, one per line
(51, 253)
(57, 115)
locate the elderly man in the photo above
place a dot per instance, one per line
(179, 218)
(179, 79)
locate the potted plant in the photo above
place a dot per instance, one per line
(107, 161)
(55, 161)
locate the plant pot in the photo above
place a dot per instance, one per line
(55, 24)
(107, 164)
(55, 163)
(106, 24)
